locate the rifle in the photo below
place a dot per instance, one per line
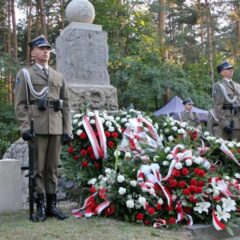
(31, 184)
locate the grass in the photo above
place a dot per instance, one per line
(16, 226)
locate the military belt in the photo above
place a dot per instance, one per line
(227, 107)
(215, 125)
(50, 103)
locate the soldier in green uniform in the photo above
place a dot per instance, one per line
(226, 103)
(188, 116)
(41, 94)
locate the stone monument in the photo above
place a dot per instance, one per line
(82, 57)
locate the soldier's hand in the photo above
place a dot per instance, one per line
(27, 135)
(66, 138)
(228, 129)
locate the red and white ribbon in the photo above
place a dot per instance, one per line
(216, 223)
(226, 150)
(99, 150)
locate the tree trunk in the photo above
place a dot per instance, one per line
(14, 31)
(209, 39)
(43, 18)
(237, 28)
(161, 26)
(29, 27)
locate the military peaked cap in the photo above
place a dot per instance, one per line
(223, 66)
(39, 41)
(187, 101)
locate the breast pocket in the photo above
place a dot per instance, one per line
(56, 88)
(39, 85)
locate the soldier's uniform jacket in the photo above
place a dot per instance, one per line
(48, 121)
(190, 117)
(223, 108)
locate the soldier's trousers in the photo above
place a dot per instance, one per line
(234, 136)
(47, 153)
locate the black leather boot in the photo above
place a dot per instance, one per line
(52, 210)
(41, 214)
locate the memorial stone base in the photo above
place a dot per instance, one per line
(10, 185)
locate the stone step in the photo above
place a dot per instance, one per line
(208, 232)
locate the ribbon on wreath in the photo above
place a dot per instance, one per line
(216, 223)
(226, 150)
(203, 149)
(99, 147)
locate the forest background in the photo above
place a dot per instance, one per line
(157, 48)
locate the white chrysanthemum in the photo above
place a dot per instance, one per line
(166, 130)
(228, 204)
(156, 126)
(165, 124)
(174, 128)
(142, 200)
(92, 181)
(128, 155)
(170, 156)
(108, 170)
(238, 144)
(206, 133)
(230, 145)
(79, 132)
(206, 164)
(167, 149)
(237, 175)
(122, 191)
(80, 123)
(189, 162)
(120, 178)
(151, 191)
(220, 140)
(183, 124)
(75, 121)
(92, 121)
(130, 203)
(108, 123)
(165, 163)
(127, 124)
(77, 115)
(111, 129)
(227, 178)
(170, 138)
(123, 120)
(181, 131)
(133, 183)
(178, 165)
(172, 123)
(90, 114)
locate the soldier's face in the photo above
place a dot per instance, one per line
(41, 54)
(188, 107)
(227, 73)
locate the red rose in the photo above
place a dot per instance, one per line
(75, 157)
(192, 188)
(115, 135)
(202, 173)
(90, 150)
(111, 144)
(199, 190)
(176, 173)
(83, 152)
(172, 182)
(147, 222)
(92, 156)
(140, 216)
(194, 181)
(97, 165)
(185, 171)
(107, 134)
(186, 191)
(192, 198)
(238, 150)
(172, 220)
(181, 184)
(84, 164)
(83, 135)
(197, 171)
(70, 150)
(200, 183)
(158, 206)
(92, 189)
(151, 210)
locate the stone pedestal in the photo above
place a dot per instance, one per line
(82, 57)
(10, 185)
